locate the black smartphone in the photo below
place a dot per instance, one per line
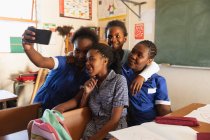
(42, 36)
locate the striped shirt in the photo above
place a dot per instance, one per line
(113, 92)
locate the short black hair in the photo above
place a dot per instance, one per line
(116, 23)
(85, 32)
(152, 47)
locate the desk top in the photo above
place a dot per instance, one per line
(21, 135)
(7, 96)
(203, 127)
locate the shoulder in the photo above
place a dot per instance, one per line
(126, 51)
(61, 62)
(120, 77)
(60, 58)
(116, 77)
(158, 78)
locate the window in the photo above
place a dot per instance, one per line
(15, 17)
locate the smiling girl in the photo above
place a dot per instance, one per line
(152, 100)
(105, 93)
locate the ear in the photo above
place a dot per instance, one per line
(149, 61)
(125, 38)
(106, 60)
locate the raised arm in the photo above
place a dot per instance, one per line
(150, 70)
(87, 89)
(33, 55)
(143, 76)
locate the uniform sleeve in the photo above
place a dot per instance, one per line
(150, 70)
(59, 61)
(162, 92)
(121, 92)
(55, 59)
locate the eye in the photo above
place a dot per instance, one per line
(90, 59)
(117, 36)
(140, 55)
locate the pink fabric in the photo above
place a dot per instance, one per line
(45, 130)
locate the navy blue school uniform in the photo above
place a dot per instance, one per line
(61, 85)
(142, 105)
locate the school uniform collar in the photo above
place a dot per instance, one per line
(105, 82)
(110, 76)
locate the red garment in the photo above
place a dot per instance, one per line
(185, 121)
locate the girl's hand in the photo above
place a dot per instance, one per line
(136, 84)
(89, 85)
(28, 35)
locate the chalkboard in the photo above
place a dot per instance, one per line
(182, 32)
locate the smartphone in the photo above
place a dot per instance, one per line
(42, 36)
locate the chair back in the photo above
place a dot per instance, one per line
(17, 118)
(42, 73)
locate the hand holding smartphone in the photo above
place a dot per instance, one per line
(41, 36)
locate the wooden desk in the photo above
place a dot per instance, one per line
(17, 118)
(204, 127)
(6, 96)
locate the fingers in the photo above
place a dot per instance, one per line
(135, 88)
(91, 83)
(28, 37)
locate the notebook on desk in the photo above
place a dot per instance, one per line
(154, 131)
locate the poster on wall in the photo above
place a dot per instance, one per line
(81, 9)
(110, 8)
(139, 31)
(11, 36)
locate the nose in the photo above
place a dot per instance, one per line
(133, 56)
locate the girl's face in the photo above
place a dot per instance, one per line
(139, 58)
(96, 64)
(81, 47)
(116, 38)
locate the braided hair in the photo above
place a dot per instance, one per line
(107, 52)
(152, 47)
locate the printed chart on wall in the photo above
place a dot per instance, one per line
(110, 8)
(10, 36)
(81, 9)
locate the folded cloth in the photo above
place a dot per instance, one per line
(185, 121)
(203, 136)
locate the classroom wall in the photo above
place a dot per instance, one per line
(48, 12)
(185, 85)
